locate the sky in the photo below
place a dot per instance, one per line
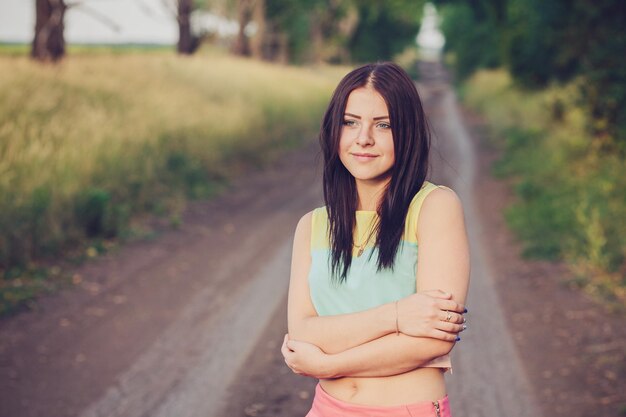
(140, 21)
(137, 21)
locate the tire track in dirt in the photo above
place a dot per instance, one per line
(164, 382)
(220, 323)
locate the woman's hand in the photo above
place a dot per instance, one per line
(431, 314)
(306, 359)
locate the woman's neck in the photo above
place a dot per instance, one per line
(369, 194)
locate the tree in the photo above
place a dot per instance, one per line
(544, 42)
(471, 31)
(332, 24)
(245, 11)
(258, 43)
(310, 30)
(595, 38)
(49, 43)
(326, 30)
(187, 43)
(384, 28)
(181, 10)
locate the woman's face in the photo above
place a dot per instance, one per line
(366, 143)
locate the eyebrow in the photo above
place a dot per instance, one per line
(359, 117)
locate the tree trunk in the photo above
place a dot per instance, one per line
(186, 43)
(316, 32)
(244, 12)
(258, 43)
(48, 42)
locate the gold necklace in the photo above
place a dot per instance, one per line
(362, 246)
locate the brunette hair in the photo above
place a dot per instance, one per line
(411, 141)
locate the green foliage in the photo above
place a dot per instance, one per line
(542, 214)
(15, 49)
(293, 18)
(299, 38)
(541, 42)
(474, 42)
(92, 209)
(384, 30)
(598, 32)
(570, 196)
(535, 51)
(21, 290)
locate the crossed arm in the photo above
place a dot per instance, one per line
(365, 343)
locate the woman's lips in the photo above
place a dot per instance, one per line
(364, 156)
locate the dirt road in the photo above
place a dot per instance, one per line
(190, 324)
(488, 379)
(147, 326)
(163, 328)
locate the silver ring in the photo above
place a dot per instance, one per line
(449, 316)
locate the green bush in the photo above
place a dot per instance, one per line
(473, 42)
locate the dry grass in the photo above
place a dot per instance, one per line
(88, 144)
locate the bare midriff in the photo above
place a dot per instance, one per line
(421, 384)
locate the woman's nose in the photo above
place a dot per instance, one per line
(364, 136)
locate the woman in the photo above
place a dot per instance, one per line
(369, 315)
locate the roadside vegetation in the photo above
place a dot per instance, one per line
(570, 201)
(550, 79)
(88, 145)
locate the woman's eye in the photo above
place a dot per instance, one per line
(349, 122)
(384, 125)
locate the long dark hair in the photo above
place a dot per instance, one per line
(411, 141)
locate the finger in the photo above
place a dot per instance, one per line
(451, 317)
(445, 336)
(286, 349)
(289, 343)
(451, 305)
(451, 327)
(293, 369)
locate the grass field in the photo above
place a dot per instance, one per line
(91, 143)
(21, 49)
(570, 189)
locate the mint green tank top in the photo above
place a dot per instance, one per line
(365, 287)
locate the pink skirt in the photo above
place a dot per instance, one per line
(325, 405)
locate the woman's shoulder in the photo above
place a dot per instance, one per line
(442, 210)
(427, 189)
(312, 227)
(434, 196)
(439, 196)
(312, 215)
(304, 224)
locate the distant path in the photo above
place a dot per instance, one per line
(190, 324)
